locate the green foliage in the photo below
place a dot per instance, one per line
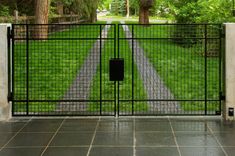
(4, 10)
(117, 7)
(214, 11)
(105, 4)
(188, 13)
(203, 11)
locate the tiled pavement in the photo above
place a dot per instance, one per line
(174, 136)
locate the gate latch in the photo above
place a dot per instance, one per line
(116, 69)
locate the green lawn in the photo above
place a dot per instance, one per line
(182, 69)
(53, 65)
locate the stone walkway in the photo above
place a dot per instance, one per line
(154, 86)
(80, 87)
(173, 136)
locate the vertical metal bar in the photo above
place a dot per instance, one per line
(100, 69)
(220, 67)
(9, 61)
(13, 70)
(115, 87)
(205, 69)
(118, 91)
(223, 65)
(27, 69)
(132, 68)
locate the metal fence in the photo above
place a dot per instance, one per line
(169, 69)
(62, 72)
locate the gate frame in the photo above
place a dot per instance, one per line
(221, 61)
(226, 73)
(27, 39)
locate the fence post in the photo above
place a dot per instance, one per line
(16, 15)
(229, 71)
(4, 104)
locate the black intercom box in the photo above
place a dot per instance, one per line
(230, 111)
(116, 69)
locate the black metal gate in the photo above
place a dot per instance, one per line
(169, 69)
(62, 69)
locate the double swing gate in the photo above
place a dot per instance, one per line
(116, 70)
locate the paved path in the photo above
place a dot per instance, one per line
(154, 86)
(80, 88)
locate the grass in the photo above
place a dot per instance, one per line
(153, 19)
(182, 69)
(53, 65)
(125, 89)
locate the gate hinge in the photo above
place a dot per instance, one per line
(10, 97)
(10, 33)
(222, 32)
(222, 97)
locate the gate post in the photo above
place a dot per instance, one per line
(4, 104)
(229, 71)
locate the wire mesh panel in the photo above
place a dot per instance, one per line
(60, 69)
(170, 69)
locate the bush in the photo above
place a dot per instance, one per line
(4, 10)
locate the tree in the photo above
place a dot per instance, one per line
(144, 5)
(86, 9)
(41, 17)
(127, 8)
(92, 11)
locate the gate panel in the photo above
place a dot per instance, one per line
(169, 69)
(172, 69)
(56, 69)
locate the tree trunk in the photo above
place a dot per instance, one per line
(60, 8)
(144, 16)
(141, 16)
(127, 8)
(93, 16)
(60, 11)
(145, 5)
(41, 17)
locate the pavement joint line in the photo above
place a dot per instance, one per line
(72, 146)
(15, 135)
(76, 132)
(177, 145)
(24, 147)
(113, 146)
(36, 132)
(53, 137)
(93, 138)
(163, 132)
(222, 148)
